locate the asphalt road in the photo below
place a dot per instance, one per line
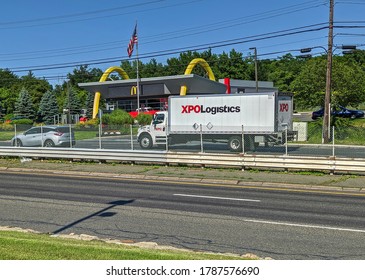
(269, 223)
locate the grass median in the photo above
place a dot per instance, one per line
(16, 245)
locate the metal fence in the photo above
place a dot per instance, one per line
(346, 141)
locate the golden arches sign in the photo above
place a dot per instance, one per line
(190, 67)
(134, 90)
(103, 78)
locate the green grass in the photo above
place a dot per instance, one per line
(30, 246)
(6, 135)
(82, 135)
(347, 132)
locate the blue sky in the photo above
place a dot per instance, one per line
(46, 36)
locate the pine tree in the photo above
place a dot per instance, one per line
(48, 107)
(89, 105)
(24, 105)
(72, 101)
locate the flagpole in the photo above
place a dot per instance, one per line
(134, 41)
(138, 106)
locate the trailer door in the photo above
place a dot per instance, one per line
(285, 112)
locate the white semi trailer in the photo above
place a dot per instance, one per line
(233, 118)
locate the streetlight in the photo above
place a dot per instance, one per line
(348, 48)
(327, 99)
(308, 50)
(256, 74)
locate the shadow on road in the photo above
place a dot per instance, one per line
(101, 213)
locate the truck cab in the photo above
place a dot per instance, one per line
(155, 133)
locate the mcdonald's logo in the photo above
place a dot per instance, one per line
(133, 90)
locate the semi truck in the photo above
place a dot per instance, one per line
(240, 120)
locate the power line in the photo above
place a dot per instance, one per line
(175, 51)
(190, 31)
(235, 22)
(78, 14)
(203, 46)
(89, 18)
(293, 31)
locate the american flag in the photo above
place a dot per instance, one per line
(132, 41)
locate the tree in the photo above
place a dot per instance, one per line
(72, 102)
(347, 90)
(284, 70)
(48, 107)
(8, 79)
(310, 84)
(152, 69)
(24, 105)
(8, 100)
(84, 75)
(232, 66)
(177, 66)
(347, 86)
(35, 87)
(89, 105)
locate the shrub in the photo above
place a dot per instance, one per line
(6, 127)
(93, 123)
(144, 119)
(117, 117)
(22, 121)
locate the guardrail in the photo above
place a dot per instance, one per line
(242, 161)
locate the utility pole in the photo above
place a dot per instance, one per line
(327, 98)
(256, 74)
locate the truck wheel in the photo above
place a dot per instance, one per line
(235, 144)
(145, 141)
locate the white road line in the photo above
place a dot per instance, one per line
(304, 226)
(272, 222)
(217, 197)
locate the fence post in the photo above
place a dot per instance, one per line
(15, 141)
(167, 142)
(286, 140)
(201, 139)
(131, 128)
(100, 126)
(333, 141)
(70, 131)
(42, 136)
(100, 131)
(243, 141)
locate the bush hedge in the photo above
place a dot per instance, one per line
(117, 117)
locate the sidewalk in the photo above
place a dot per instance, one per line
(311, 180)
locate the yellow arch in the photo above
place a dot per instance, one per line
(190, 67)
(103, 78)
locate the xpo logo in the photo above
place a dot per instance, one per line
(200, 109)
(187, 109)
(284, 107)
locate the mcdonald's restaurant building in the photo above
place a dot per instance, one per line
(154, 92)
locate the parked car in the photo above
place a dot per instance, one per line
(44, 136)
(339, 112)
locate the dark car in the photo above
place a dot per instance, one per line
(339, 112)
